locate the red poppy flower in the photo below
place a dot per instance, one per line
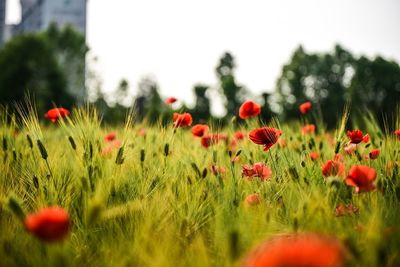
(110, 137)
(314, 155)
(182, 120)
(56, 113)
(342, 210)
(362, 178)
(170, 100)
(366, 138)
(265, 136)
(305, 107)
(249, 109)
(397, 133)
(297, 250)
(49, 224)
(211, 139)
(258, 169)
(199, 130)
(308, 129)
(356, 136)
(374, 153)
(239, 135)
(332, 168)
(142, 132)
(252, 200)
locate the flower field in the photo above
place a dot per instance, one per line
(75, 192)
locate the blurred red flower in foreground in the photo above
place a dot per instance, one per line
(332, 168)
(362, 178)
(110, 137)
(182, 120)
(309, 250)
(249, 109)
(356, 137)
(49, 224)
(308, 129)
(305, 107)
(170, 100)
(56, 113)
(199, 130)
(258, 169)
(265, 136)
(374, 153)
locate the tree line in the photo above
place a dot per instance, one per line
(51, 65)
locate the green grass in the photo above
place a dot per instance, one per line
(141, 207)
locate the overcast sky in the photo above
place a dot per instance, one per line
(180, 41)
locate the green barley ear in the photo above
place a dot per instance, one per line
(204, 173)
(215, 156)
(142, 155)
(5, 146)
(293, 173)
(28, 137)
(16, 207)
(72, 142)
(42, 149)
(337, 147)
(234, 244)
(196, 169)
(166, 149)
(95, 210)
(35, 181)
(120, 156)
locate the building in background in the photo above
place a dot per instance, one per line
(2, 20)
(36, 15)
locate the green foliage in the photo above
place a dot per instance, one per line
(331, 80)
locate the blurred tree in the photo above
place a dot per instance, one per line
(266, 112)
(332, 79)
(320, 78)
(201, 111)
(232, 92)
(376, 86)
(70, 50)
(122, 92)
(51, 65)
(28, 63)
(148, 103)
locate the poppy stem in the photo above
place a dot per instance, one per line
(48, 167)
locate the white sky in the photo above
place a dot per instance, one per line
(181, 41)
